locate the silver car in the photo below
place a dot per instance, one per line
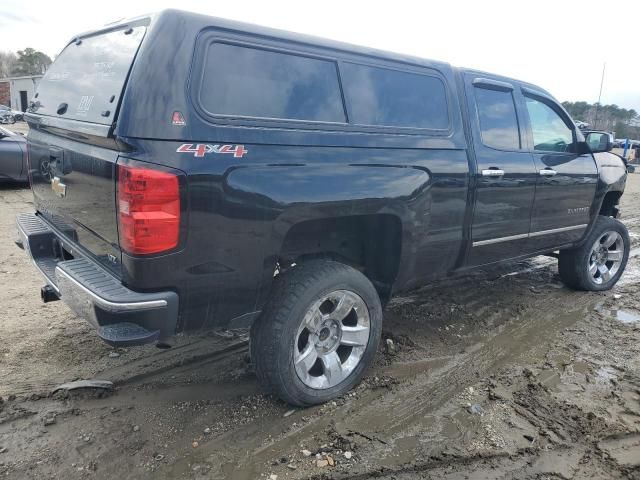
(8, 115)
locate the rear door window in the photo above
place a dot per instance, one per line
(251, 82)
(498, 119)
(86, 80)
(393, 98)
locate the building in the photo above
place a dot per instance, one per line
(16, 92)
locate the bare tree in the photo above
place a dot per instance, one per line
(7, 63)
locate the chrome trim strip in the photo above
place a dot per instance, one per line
(500, 239)
(77, 126)
(114, 306)
(492, 173)
(557, 230)
(528, 235)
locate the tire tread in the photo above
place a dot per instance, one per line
(571, 263)
(287, 291)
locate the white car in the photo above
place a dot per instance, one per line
(17, 114)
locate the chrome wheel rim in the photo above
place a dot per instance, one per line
(331, 339)
(606, 257)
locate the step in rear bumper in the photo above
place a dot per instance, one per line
(93, 293)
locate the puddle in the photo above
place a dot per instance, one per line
(605, 375)
(581, 367)
(625, 316)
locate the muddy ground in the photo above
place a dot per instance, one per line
(502, 374)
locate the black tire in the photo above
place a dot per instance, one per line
(574, 264)
(274, 337)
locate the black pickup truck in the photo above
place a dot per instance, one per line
(191, 172)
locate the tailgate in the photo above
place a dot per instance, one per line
(72, 152)
(74, 189)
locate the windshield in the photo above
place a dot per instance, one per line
(86, 80)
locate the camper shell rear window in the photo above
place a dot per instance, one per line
(86, 81)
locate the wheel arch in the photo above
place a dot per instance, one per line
(370, 243)
(609, 204)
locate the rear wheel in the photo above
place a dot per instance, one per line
(318, 333)
(600, 261)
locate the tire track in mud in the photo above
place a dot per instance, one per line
(522, 464)
(474, 462)
(462, 370)
(150, 369)
(176, 360)
(425, 388)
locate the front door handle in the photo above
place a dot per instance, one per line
(493, 172)
(548, 172)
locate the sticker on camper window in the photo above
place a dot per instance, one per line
(201, 149)
(84, 105)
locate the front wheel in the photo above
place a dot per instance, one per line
(601, 259)
(318, 333)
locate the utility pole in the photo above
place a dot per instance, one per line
(595, 120)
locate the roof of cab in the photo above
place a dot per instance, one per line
(522, 83)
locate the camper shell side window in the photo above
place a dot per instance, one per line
(238, 81)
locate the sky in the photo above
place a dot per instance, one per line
(560, 45)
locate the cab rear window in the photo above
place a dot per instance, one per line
(86, 80)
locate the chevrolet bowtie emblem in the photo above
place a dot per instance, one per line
(59, 188)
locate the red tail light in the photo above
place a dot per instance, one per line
(148, 210)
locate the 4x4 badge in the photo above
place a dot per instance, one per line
(201, 149)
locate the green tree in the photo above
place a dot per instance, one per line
(605, 117)
(31, 62)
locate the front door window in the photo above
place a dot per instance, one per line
(550, 132)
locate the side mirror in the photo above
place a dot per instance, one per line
(631, 169)
(582, 148)
(599, 142)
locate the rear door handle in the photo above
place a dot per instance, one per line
(492, 172)
(548, 172)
